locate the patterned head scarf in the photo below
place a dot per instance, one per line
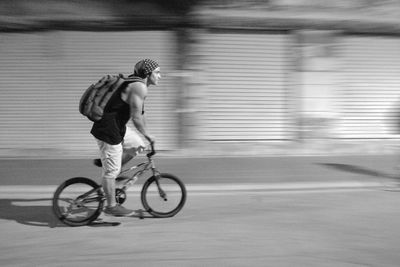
(145, 67)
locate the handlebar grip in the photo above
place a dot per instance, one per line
(153, 152)
(149, 155)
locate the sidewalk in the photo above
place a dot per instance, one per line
(221, 173)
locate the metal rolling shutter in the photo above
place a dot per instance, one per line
(42, 76)
(370, 90)
(244, 94)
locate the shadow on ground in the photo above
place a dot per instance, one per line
(38, 212)
(358, 170)
(34, 212)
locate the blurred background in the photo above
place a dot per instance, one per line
(251, 77)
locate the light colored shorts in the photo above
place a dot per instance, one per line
(111, 155)
(133, 142)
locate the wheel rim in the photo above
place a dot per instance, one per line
(161, 205)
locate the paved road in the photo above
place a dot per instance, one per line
(296, 211)
(237, 170)
(327, 227)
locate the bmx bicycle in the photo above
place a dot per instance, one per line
(79, 201)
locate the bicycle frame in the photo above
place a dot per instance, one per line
(149, 165)
(143, 168)
(87, 207)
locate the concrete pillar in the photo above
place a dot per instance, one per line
(317, 84)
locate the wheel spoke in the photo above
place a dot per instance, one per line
(78, 201)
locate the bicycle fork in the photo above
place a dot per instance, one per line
(162, 193)
(157, 176)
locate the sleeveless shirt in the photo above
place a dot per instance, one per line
(112, 127)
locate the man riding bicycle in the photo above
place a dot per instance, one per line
(118, 144)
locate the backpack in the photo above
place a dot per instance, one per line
(96, 96)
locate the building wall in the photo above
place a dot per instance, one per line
(254, 71)
(44, 74)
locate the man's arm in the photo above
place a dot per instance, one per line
(136, 95)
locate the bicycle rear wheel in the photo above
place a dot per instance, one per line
(165, 199)
(78, 201)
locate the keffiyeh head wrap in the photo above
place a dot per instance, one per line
(145, 67)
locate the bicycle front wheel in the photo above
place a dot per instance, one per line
(163, 196)
(78, 201)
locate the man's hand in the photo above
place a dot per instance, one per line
(151, 141)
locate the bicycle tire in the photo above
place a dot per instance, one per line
(173, 186)
(68, 193)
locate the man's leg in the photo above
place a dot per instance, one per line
(126, 157)
(111, 160)
(133, 145)
(111, 163)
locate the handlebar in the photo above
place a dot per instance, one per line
(152, 152)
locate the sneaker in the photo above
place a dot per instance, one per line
(97, 162)
(118, 211)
